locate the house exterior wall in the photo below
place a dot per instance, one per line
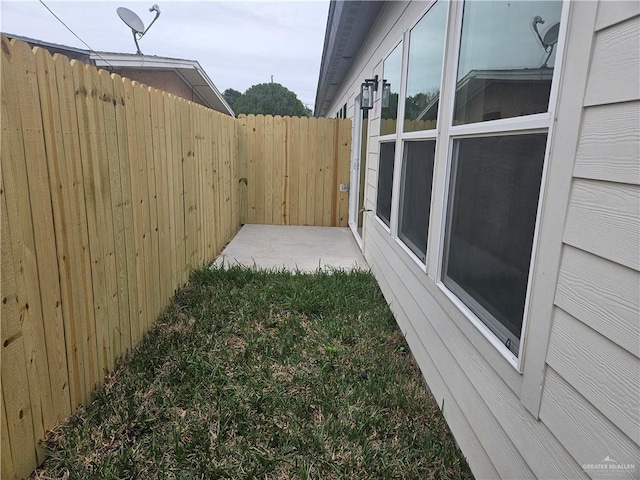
(573, 399)
(166, 81)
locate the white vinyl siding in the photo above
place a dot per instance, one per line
(576, 401)
(591, 398)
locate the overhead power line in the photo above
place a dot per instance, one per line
(74, 33)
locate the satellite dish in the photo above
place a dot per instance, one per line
(135, 24)
(550, 38)
(131, 19)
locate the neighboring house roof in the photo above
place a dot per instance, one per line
(189, 71)
(471, 81)
(348, 24)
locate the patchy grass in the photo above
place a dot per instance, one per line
(253, 374)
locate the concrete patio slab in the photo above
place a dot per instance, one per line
(293, 247)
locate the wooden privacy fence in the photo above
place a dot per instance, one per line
(111, 193)
(292, 169)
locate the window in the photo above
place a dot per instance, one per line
(504, 69)
(424, 75)
(491, 219)
(385, 181)
(391, 70)
(426, 50)
(415, 199)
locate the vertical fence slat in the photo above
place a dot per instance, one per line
(127, 266)
(304, 163)
(18, 89)
(79, 281)
(95, 332)
(222, 180)
(104, 217)
(160, 160)
(202, 183)
(252, 188)
(163, 205)
(18, 437)
(153, 257)
(50, 114)
(45, 245)
(169, 118)
(277, 169)
(141, 175)
(118, 298)
(132, 169)
(344, 169)
(293, 142)
(183, 120)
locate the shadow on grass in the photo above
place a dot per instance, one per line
(255, 374)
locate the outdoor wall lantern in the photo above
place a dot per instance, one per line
(369, 86)
(386, 93)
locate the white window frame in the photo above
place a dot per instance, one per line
(400, 137)
(391, 137)
(537, 123)
(445, 135)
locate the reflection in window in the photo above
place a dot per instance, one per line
(426, 48)
(385, 181)
(415, 199)
(507, 54)
(490, 225)
(391, 83)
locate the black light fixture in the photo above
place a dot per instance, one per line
(369, 86)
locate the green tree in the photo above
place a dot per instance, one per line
(231, 96)
(270, 99)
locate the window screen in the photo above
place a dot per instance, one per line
(415, 199)
(492, 213)
(385, 181)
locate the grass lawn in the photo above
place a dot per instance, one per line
(253, 374)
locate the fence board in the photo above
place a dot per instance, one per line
(104, 218)
(344, 171)
(78, 281)
(18, 95)
(317, 173)
(126, 197)
(304, 161)
(141, 178)
(17, 418)
(45, 245)
(116, 265)
(169, 119)
(87, 133)
(137, 204)
(54, 169)
(250, 148)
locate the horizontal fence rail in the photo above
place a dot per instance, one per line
(111, 194)
(292, 169)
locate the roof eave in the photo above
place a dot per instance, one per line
(212, 98)
(348, 25)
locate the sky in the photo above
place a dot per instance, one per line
(238, 43)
